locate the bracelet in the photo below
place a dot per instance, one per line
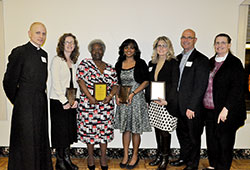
(134, 92)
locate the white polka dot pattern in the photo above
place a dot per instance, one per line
(160, 118)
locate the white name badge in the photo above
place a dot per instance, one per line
(43, 59)
(189, 64)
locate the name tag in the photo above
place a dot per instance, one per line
(189, 64)
(43, 59)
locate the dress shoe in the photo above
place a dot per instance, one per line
(133, 166)
(123, 165)
(208, 169)
(178, 162)
(190, 168)
(104, 167)
(92, 167)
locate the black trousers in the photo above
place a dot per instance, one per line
(189, 135)
(220, 142)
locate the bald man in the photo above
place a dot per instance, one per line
(194, 72)
(25, 86)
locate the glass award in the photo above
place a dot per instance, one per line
(100, 91)
(157, 90)
(124, 93)
(71, 95)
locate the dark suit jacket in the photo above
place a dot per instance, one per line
(170, 74)
(228, 91)
(193, 83)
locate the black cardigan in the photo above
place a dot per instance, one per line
(140, 72)
(228, 91)
(170, 74)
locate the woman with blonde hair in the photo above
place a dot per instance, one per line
(164, 67)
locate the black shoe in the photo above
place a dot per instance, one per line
(133, 166)
(190, 168)
(207, 169)
(178, 162)
(104, 167)
(157, 161)
(60, 163)
(123, 165)
(92, 167)
(67, 160)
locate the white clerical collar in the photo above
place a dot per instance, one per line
(220, 59)
(37, 47)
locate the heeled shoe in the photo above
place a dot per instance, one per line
(123, 165)
(92, 167)
(105, 167)
(133, 166)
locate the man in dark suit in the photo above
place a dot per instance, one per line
(25, 84)
(194, 72)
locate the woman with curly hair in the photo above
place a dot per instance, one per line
(62, 112)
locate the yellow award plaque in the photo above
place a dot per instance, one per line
(100, 91)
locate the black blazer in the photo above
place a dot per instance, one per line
(140, 72)
(228, 91)
(170, 74)
(193, 83)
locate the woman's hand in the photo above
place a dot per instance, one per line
(107, 99)
(130, 97)
(75, 104)
(223, 115)
(161, 102)
(92, 100)
(66, 106)
(117, 100)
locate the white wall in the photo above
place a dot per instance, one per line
(115, 20)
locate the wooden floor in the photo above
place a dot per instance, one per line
(243, 164)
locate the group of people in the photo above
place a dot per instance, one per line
(198, 91)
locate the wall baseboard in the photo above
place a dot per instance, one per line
(117, 153)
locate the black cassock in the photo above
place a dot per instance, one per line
(25, 85)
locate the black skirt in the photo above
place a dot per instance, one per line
(63, 125)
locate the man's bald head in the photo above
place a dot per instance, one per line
(37, 33)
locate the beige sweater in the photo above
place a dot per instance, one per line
(60, 79)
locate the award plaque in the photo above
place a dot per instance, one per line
(124, 93)
(100, 91)
(71, 95)
(157, 90)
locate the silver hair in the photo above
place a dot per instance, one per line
(96, 41)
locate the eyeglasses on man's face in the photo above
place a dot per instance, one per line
(187, 38)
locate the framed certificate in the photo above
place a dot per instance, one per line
(157, 90)
(71, 95)
(124, 93)
(100, 91)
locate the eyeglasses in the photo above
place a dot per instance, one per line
(222, 43)
(162, 46)
(69, 43)
(189, 38)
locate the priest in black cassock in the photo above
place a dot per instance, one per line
(25, 85)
